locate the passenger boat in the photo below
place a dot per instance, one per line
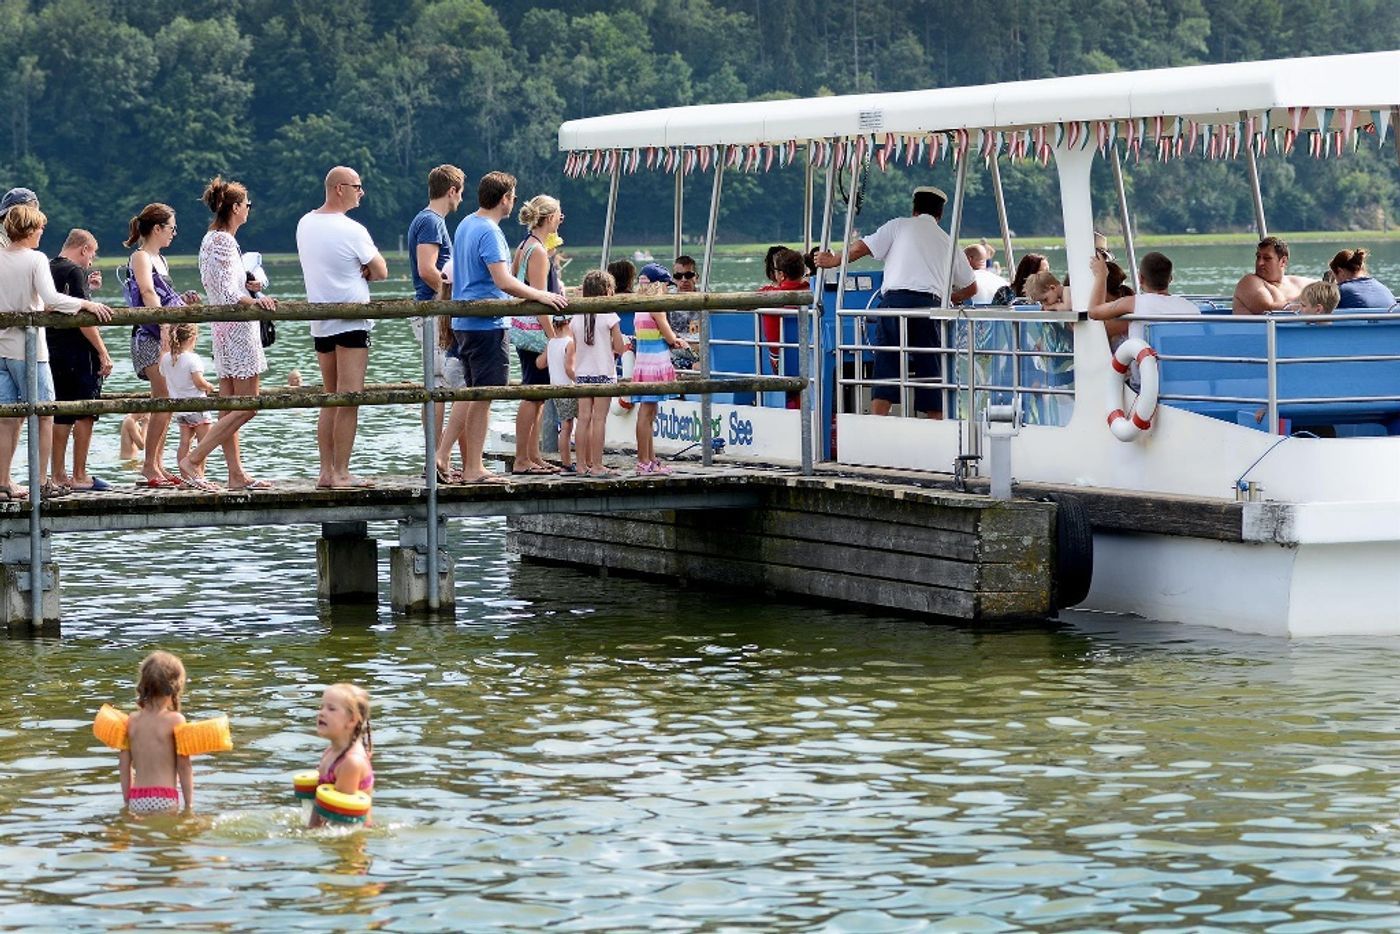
(1319, 545)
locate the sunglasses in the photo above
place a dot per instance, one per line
(682, 275)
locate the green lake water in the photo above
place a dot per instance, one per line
(582, 753)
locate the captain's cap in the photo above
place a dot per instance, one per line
(932, 190)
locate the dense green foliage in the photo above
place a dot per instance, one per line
(113, 103)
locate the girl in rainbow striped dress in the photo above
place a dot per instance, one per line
(654, 340)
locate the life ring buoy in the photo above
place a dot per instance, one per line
(1127, 426)
(341, 808)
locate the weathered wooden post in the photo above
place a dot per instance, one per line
(409, 570)
(347, 563)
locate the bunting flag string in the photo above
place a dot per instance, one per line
(1328, 134)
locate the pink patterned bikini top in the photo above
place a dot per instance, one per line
(328, 776)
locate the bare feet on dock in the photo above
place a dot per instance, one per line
(14, 492)
(347, 482)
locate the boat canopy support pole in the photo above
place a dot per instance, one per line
(1001, 211)
(1260, 224)
(707, 454)
(850, 228)
(1077, 213)
(680, 210)
(808, 186)
(819, 292)
(973, 439)
(1124, 218)
(611, 213)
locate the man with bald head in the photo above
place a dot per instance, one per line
(988, 282)
(338, 261)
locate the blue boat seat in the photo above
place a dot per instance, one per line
(1342, 379)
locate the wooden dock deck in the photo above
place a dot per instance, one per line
(896, 540)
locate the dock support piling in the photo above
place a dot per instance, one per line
(410, 564)
(17, 561)
(347, 563)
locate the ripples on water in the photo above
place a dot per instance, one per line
(580, 753)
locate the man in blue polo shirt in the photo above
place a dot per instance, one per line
(481, 270)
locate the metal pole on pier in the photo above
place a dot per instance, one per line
(36, 533)
(430, 427)
(1124, 218)
(1001, 210)
(611, 212)
(707, 454)
(1259, 222)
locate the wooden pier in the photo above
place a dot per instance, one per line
(869, 542)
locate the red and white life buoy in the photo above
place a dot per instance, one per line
(1126, 426)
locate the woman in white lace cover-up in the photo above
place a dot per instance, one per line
(238, 352)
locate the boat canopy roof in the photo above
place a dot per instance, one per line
(1278, 92)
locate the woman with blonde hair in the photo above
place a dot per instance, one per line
(238, 352)
(535, 266)
(148, 286)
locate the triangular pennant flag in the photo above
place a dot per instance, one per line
(1382, 125)
(1059, 135)
(1322, 116)
(768, 156)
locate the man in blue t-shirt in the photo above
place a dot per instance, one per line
(481, 270)
(429, 245)
(429, 251)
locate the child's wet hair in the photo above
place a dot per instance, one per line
(161, 675)
(359, 703)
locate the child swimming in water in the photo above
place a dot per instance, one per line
(150, 767)
(344, 721)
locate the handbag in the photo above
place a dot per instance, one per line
(267, 332)
(530, 341)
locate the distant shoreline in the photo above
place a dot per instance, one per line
(624, 251)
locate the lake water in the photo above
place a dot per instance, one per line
(583, 753)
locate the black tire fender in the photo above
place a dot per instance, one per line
(1074, 551)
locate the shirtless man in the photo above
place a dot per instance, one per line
(1269, 287)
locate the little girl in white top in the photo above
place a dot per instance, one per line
(183, 370)
(558, 358)
(597, 342)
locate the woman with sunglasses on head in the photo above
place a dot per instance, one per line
(238, 352)
(148, 286)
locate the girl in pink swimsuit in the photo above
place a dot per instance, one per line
(150, 768)
(343, 720)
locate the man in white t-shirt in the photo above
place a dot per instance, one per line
(338, 261)
(1154, 278)
(988, 282)
(916, 253)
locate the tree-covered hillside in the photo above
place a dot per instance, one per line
(114, 103)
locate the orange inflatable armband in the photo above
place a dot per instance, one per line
(110, 727)
(197, 738)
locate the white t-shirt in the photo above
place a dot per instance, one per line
(987, 284)
(26, 284)
(179, 374)
(333, 249)
(596, 359)
(556, 353)
(915, 251)
(1151, 303)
